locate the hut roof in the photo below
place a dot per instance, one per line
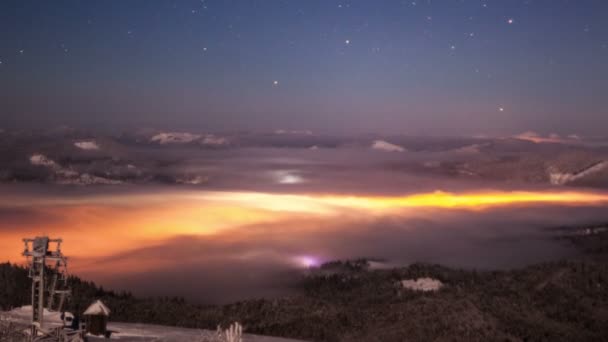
(97, 308)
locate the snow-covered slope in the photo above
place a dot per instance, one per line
(135, 332)
(561, 178)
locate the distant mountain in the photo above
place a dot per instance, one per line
(73, 157)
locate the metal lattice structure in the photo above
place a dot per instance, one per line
(48, 271)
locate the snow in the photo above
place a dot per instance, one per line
(87, 145)
(134, 332)
(67, 175)
(97, 308)
(422, 284)
(165, 138)
(24, 314)
(386, 146)
(42, 160)
(561, 178)
(147, 332)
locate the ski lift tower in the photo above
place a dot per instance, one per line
(44, 255)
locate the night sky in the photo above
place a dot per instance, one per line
(414, 67)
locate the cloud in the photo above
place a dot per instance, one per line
(258, 260)
(287, 177)
(294, 132)
(469, 149)
(175, 138)
(386, 146)
(213, 140)
(551, 138)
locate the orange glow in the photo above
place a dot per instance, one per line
(104, 225)
(469, 201)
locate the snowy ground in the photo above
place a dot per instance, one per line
(133, 331)
(145, 332)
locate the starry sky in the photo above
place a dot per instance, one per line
(417, 67)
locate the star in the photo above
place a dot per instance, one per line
(347, 42)
(21, 51)
(510, 21)
(501, 109)
(275, 82)
(453, 47)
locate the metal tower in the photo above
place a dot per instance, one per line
(46, 261)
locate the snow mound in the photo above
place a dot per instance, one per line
(422, 284)
(175, 138)
(386, 146)
(87, 145)
(24, 313)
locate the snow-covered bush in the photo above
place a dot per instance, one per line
(234, 333)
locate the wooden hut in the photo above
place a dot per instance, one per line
(96, 318)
